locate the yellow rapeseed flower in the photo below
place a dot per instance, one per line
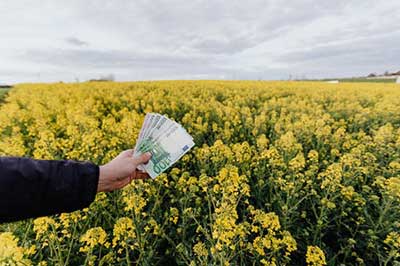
(10, 252)
(92, 238)
(315, 256)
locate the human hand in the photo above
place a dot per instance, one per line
(120, 171)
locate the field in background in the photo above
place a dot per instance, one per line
(377, 80)
(282, 173)
(3, 93)
(359, 80)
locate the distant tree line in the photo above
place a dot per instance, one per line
(386, 74)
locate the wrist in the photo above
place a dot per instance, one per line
(102, 186)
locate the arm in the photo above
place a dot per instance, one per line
(32, 188)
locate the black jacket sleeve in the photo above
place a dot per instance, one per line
(32, 188)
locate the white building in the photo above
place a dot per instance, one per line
(398, 80)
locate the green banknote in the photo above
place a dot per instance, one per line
(166, 140)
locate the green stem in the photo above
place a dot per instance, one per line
(70, 245)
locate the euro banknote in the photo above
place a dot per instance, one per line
(165, 139)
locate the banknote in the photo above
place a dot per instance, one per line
(151, 121)
(142, 130)
(165, 139)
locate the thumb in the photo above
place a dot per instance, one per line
(143, 158)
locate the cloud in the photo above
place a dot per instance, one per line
(112, 58)
(181, 39)
(75, 41)
(353, 56)
(372, 47)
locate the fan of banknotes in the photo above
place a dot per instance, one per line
(166, 140)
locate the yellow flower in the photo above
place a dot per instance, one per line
(133, 201)
(392, 186)
(42, 225)
(313, 156)
(10, 252)
(200, 249)
(315, 256)
(124, 231)
(45, 228)
(393, 241)
(332, 177)
(174, 215)
(298, 162)
(270, 239)
(92, 238)
(347, 192)
(262, 142)
(269, 221)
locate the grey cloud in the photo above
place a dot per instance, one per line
(364, 50)
(256, 39)
(236, 28)
(75, 41)
(222, 46)
(208, 27)
(345, 60)
(111, 58)
(129, 66)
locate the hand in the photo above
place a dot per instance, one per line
(121, 171)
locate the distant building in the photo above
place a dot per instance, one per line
(394, 74)
(387, 75)
(333, 81)
(109, 77)
(398, 80)
(99, 80)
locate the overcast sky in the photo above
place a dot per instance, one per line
(177, 39)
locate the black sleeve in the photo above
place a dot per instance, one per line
(32, 188)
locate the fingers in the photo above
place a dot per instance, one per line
(122, 183)
(142, 159)
(128, 152)
(139, 175)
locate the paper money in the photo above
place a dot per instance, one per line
(166, 140)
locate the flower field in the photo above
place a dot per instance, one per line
(283, 173)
